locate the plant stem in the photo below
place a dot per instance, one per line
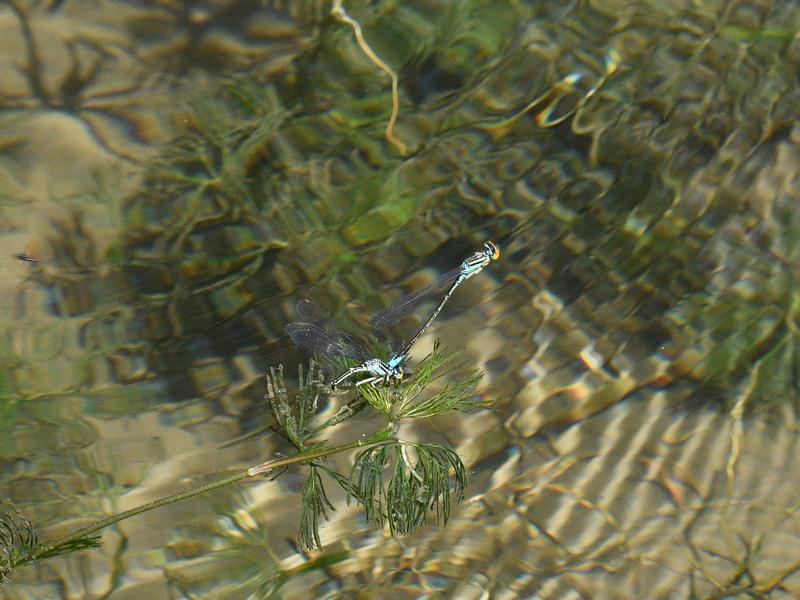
(41, 550)
(344, 413)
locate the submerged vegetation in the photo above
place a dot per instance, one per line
(639, 158)
(207, 191)
(397, 482)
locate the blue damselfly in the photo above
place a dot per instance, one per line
(319, 334)
(472, 265)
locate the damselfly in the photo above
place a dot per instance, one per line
(472, 265)
(318, 333)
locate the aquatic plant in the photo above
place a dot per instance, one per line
(397, 482)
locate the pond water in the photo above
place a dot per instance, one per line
(176, 176)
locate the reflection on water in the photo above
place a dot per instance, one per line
(185, 172)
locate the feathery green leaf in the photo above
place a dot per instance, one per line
(294, 416)
(17, 539)
(409, 401)
(417, 484)
(315, 502)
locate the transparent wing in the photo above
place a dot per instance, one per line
(310, 312)
(318, 333)
(322, 346)
(392, 314)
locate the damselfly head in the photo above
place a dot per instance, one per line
(491, 250)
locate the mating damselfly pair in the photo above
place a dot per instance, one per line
(319, 334)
